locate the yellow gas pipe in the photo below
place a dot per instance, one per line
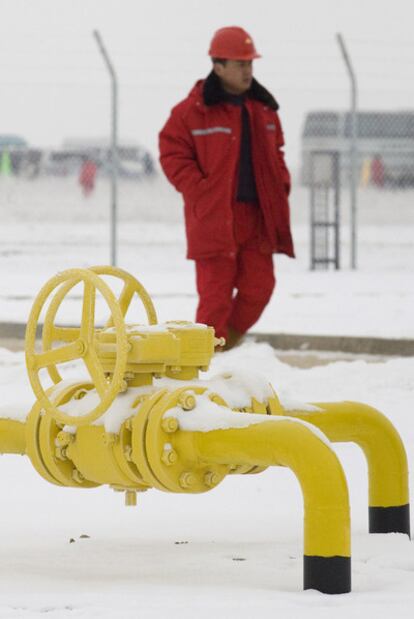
(385, 454)
(152, 444)
(12, 437)
(323, 484)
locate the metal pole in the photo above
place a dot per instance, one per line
(114, 147)
(313, 209)
(353, 154)
(336, 181)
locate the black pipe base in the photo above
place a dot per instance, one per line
(327, 574)
(390, 519)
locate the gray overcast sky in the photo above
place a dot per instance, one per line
(53, 83)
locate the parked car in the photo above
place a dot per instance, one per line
(62, 162)
(134, 162)
(24, 160)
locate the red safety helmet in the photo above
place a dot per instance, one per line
(232, 43)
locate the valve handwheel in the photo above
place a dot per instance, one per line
(79, 342)
(52, 333)
(131, 286)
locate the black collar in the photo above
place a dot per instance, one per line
(213, 92)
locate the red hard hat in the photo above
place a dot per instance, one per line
(232, 43)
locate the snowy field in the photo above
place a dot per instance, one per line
(236, 551)
(233, 552)
(47, 226)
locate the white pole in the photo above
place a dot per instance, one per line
(114, 147)
(353, 153)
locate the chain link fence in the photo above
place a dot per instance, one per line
(385, 146)
(64, 94)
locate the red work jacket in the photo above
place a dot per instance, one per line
(199, 153)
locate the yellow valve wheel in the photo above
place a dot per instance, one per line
(52, 333)
(131, 286)
(80, 343)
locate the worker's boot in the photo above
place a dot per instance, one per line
(233, 339)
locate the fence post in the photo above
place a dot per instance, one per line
(353, 153)
(114, 147)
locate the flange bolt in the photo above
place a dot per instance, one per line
(187, 401)
(169, 425)
(77, 476)
(63, 439)
(169, 457)
(211, 479)
(187, 480)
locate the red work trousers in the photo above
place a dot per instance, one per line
(234, 289)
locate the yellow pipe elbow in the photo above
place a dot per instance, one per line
(389, 509)
(12, 436)
(317, 468)
(379, 440)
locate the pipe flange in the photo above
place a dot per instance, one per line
(46, 452)
(122, 450)
(32, 443)
(175, 468)
(139, 424)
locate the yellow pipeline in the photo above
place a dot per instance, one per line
(377, 437)
(389, 508)
(317, 468)
(150, 449)
(135, 459)
(12, 437)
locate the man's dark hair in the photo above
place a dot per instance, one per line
(219, 61)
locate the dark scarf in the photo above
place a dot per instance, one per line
(213, 92)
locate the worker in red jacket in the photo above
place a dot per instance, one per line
(222, 149)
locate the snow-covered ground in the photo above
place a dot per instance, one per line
(233, 552)
(47, 226)
(237, 550)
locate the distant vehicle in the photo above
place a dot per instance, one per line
(12, 141)
(134, 161)
(25, 160)
(385, 135)
(62, 162)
